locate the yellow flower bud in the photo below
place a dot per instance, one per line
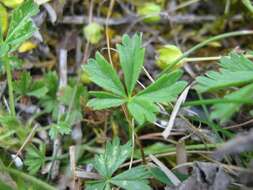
(85, 79)
(93, 32)
(167, 55)
(151, 11)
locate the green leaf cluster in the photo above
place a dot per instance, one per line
(234, 79)
(73, 96)
(26, 86)
(107, 163)
(21, 27)
(141, 105)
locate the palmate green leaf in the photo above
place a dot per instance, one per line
(131, 59)
(142, 110)
(22, 85)
(115, 154)
(38, 89)
(135, 178)
(21, 26)
(141, 106)
(104, 100)
(25, 86)
(108, 162)
(35, 158)
(236, 71)
(50, 79)
(236, 62)
(103, 74)
(224, 111)
(165, 89)
(214, 81)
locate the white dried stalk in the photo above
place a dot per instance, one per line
(174, 113)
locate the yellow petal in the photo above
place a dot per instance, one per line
(11, 3)
(27, 46)
(3, 18)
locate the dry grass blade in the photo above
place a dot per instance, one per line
(72, 151)
(87, 175)
(181, 156)
(179, 102)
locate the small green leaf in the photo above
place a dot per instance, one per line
(135, 178)
(219, 80)
(22, 85)
(35, 158)
(142, 110)
(50, 102)
(165, 89)
(21, 26)
(38, 90)
(224, 111)
(51, 82)
(236, 71)
(26, 87)
(115, 154)
(103, 74)
(104, 100)
(131, 59)
(62, 128)
(236, 62)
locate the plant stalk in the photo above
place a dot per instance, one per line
(10, 88)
